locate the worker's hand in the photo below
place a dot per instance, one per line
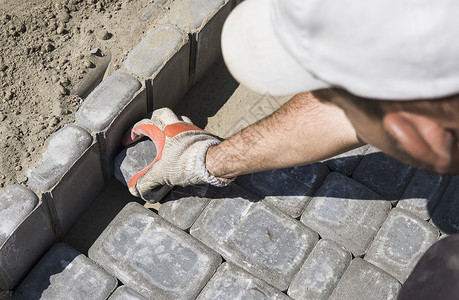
(181, 149)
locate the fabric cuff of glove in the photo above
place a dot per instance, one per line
(209, 178)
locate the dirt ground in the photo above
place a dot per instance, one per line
(50, 50)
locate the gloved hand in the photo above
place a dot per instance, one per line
(181, 149)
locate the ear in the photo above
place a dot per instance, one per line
(422, 137)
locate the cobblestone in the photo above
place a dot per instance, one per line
(125, 293)
(446, 214)
(153, 257)
(347, 212)
(346, 163)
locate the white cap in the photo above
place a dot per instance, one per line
(382, 49)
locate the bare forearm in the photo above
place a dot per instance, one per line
(303, 130)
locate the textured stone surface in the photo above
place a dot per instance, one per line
(64, 273)
(154, 50)
(232, 282)
(64, 147)
(423, 193)
(347, 212)
(446, 215)
(321, 271)
(106, 101)
(256, 237)
(16, 203)
(400, 243)
(153, 257)
(383, 174)
(346, 163)
(288, 189)
(184, 204)
(125, 293)
(362, 280)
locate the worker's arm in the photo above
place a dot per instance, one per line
(303, 130)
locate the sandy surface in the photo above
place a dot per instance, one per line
(46, 60)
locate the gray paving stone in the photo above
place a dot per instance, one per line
(64, 148)
(106, 101)
(25, 234)
(321, 271)
(154, 50)
(383, 174)
(76, 190)
(423, 193)
(125, 293)
(232, 282)
(446, 215)
(254, 236)
(153, 257)
(346, 163)
(64, 273)
(288, 189)
(400, 243)
(347, 212)
(183, 205)
(362, 280)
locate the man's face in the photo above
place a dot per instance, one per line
(425, 137)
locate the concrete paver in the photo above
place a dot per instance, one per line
(232, 282)
(346, 163)
(400, 243)
(446, 214)
(126, 293)
(321, 271)
(151, 256)
(362, 280)
(347, 212)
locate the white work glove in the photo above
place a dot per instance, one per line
(181, 149)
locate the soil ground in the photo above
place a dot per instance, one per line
(49, 50)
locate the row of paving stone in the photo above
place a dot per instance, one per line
(309, 232)
(79, 158)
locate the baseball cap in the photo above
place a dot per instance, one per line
(380, 49)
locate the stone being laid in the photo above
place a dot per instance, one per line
(400, 243)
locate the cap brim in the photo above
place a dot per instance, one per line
(256, 57)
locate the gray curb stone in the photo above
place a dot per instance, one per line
(362, 280)
(422, 194)
(347, 212)
(153, 257)
(232, 282)
(64, 273)
(400, 243)
(346, 163)
(446, 214)
(106, 101)
(65, 146)
(26, 233)
(287, 189)
(125, 293)
(383, 174)
(321, 271)
(183, 205)
(258, 238)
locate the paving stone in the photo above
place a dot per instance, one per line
(76, 190)
(64, 273)
(64, 148)
(347, 212)
(106, 101)
(183, 205)
(321, 271)
(400, 243)
(25, 234)
(288, 189)
(254, 236)
(153, 257)
(446, 215)
(423, 193)
(346, 163)
(232, 282)
(362, 280)
(154, 50)
(383, 174)
(125, 293)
